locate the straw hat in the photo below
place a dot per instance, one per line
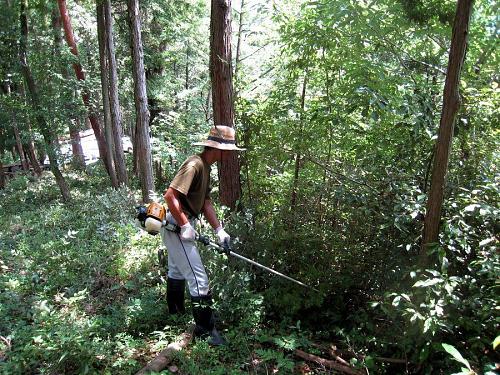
(221, 137)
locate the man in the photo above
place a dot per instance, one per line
(187, 197)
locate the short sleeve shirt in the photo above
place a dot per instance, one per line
(193, 181)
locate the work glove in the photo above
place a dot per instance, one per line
(224, 238)
(187, 232)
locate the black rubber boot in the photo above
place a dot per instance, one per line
(204, 319)
(175, 296)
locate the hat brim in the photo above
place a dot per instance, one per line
(220, 146)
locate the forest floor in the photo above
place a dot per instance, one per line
(84, 293)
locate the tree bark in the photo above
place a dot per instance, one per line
(17, 136)
(163, 359)
(32, 156)
(451, 104)
(222, 96)
(78, 158)
(186, 72)
(298, 154)
(327, 363)
(142, 143)
(114, 102)
(103, 65)
(238, 51)
(94, 121)
(29, 144)
(20, 148)
(2, 174)
(35, 102)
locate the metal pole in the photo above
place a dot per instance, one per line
(271, 270)
(204, 240)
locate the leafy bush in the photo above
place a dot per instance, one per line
(455, 302)
(64, 304)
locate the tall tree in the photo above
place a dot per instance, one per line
(298, 155)
(3, 138)
(103, 65)
(142, 144)
(78, 157)
(114, 102)
(17, 135)
(35, 102)
(30, 146)
(451, 104)
(237, 60)
(222, 96)
(2, 173)
(80, 75)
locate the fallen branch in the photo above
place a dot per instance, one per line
(332, 353)
(327, 363)
(337, 358)
(163, 359)
(7, 341)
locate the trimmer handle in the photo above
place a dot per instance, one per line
(203, 239)
(226, 249)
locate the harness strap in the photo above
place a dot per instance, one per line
(171, 227)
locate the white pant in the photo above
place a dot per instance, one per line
(184, 261)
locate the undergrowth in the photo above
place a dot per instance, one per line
(81, 292)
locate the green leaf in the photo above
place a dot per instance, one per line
(427, 325)
(496, 342)
(425, 283)
(456, 354)
(471, 207)
(486, 241)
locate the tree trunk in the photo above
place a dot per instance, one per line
(29, 144)
(298, 146)
(451, 104)
(186, 76)
(94, 121)
(32, 156)
(2, 174)
(222, 96)
(103, 65)
(238, 50)
(33, 92)
(143, 147)
(186, 72)
(114, 102)
(329, 135)
(19, 148)
(78, 158)
(17, 136)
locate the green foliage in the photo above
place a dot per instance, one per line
(460, 294)
(370, 116)
(69, 310)
(80, 291)
(423, 11)
(458, 357)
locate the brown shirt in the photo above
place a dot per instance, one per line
(193, 181)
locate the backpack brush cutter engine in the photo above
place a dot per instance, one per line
(152, 217)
